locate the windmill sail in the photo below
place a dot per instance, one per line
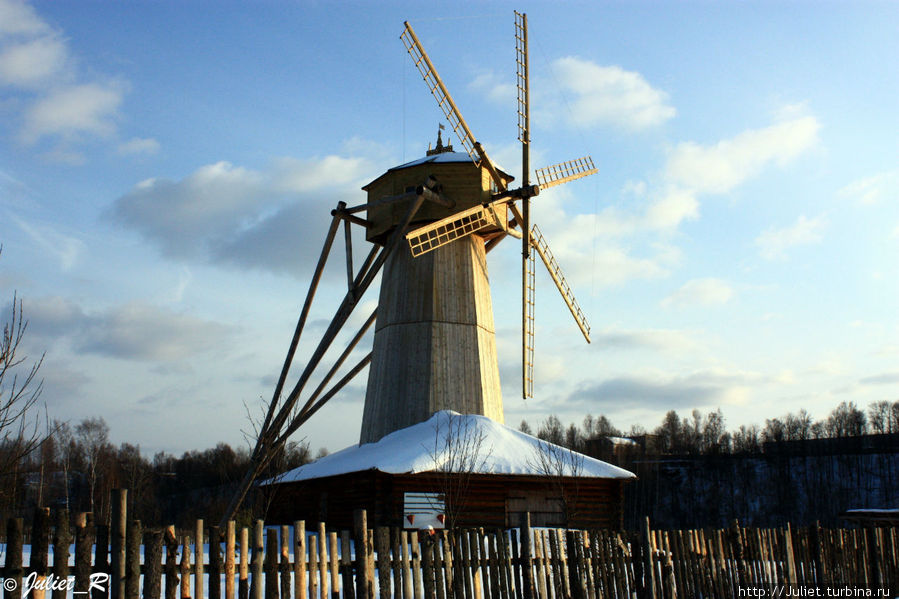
(539, 244)
(527, 372)
(430, 237)
(446, 104)
(564, 172)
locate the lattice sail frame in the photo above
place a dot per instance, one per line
(530, 299)
(430, 237)
(539, 244)
(564, 172)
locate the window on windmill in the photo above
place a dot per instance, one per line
(424, 510)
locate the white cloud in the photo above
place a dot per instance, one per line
(500, 92)
(69, 112)
(700, 292)
(139, 145)
(671, 208)
(252, 218)
(133, 331)
(611, 95)
(613, 266)
(19, 18)
(33, 63)
(774, 242)
(304, 175)
(723, 166)
(182, 216)
(57, 102)
(882, 187)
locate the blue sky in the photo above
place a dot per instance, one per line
(167, 171)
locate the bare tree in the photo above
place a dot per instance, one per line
(20, 390)
(846, 420)
(879, 414)
(93, 438)
(458, 452)
(562, 468)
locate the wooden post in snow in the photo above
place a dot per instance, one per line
(153, 564)
(243, 584)
(61, 542)
(230, 547)
(171, 563)
(119, 527)
(365, 577)
(132, 560)
(84, 540)
(13, 569)
(256, 582)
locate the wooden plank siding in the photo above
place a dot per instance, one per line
(463, 182)
(595, 503)
(434, 347)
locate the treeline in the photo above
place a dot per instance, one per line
(707, 434)
(76, 467)
(693, 472)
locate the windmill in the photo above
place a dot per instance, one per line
(479, 218)
(434, 345)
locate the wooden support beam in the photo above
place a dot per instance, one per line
(346, 352)
(269, 434)
(301, 323)
(352, 219)
(348, 238)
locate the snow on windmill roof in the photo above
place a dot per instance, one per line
(423, 447)
(444, 157)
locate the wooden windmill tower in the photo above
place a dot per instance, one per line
(434, 345)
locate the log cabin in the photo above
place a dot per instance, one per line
(453, 470)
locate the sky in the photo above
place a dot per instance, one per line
(167, 172)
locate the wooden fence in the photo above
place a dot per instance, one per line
(284, 562)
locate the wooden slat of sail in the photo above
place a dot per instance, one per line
(439, 91)
(530, 298)
(437, 234)
(447, 105)
(539, 244)
(564, 172)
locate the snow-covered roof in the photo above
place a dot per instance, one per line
(447, 442)
(445, 157)
(435, 158)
